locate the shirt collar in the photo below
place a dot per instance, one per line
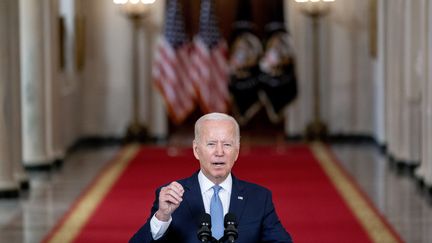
(206, 184)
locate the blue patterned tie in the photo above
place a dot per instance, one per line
(216, 212)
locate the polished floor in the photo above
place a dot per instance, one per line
(393, 192)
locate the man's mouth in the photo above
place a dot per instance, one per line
(218, 164)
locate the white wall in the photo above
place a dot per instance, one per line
(106, 87)
(107, 73)
(346, 79)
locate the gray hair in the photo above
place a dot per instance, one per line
(215, 116)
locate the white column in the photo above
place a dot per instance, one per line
(388, 31)
(424, 172)
(34, 16)
(428, 159)
(405, 64)
(157, 119)
(405, 72)
(380, 74)
(395, 74)
(16, 138)
(69, 100)
(54, 104)
(8, 184)
(409, 131)
(414, 80)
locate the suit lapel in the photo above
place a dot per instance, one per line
(194, 199)
(238, 198)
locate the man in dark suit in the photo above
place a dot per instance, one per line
(213, 189)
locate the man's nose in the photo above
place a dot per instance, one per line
(219, 149)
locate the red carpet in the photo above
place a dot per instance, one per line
(309, 204)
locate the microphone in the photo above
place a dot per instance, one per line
(231, 232)
(204, 233)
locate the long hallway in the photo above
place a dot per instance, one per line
(77, 70)
(392, 191)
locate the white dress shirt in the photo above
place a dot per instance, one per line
(158, 228)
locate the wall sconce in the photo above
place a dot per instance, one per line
(138, 8)
(315, 7)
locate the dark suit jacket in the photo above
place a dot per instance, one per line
(252, 205)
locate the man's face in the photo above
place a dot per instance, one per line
(216, 149)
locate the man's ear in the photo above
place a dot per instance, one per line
(195, 149)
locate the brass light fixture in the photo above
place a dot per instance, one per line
(136, 11)
(315, 9)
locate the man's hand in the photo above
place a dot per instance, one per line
(170, 198)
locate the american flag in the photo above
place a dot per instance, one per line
(171, 65)
(210, 70)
